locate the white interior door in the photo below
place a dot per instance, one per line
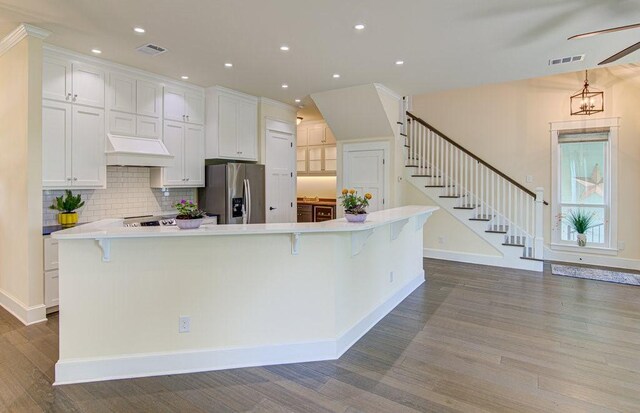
(364, 172)
(280, 182)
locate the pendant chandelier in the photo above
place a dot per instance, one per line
(587, 101)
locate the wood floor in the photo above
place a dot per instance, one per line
(471, 339)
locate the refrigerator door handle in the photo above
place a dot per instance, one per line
(248, 202)
(244, 203)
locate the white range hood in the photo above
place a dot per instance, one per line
(134, 151)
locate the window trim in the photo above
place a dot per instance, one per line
(612, 189)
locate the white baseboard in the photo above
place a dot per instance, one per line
(157, 364)
(26, 315)
(591, 259)
(482, 259)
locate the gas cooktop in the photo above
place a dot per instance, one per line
(150, 221)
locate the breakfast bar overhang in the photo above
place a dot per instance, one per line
(255, 294)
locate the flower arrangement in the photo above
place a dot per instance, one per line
(354, 204)
(580, 221)
(188, 210)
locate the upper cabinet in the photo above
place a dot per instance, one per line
(73, 82)
(135, 106)
(232, 125)
(183, 106)
(316, 152)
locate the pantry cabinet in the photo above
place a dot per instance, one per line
(186, 143)
(72, 146)
(232, 125)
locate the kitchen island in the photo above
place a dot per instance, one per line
(249, 295)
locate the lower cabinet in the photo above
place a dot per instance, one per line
(186, 143)
(51, 299)
(315, 213)
(305, 213)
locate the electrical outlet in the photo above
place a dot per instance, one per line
(529, 179)
(442, 240)
(166, 193)
(391, 277)
(184, 324)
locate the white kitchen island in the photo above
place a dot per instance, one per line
(255, 294)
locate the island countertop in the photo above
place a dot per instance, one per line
(113, 228)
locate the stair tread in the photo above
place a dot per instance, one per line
(435, 186)
(531, 259)
(425, 176)
(411, 166)
(480, 219)
(509, 244)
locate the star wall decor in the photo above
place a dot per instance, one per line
(593, 184)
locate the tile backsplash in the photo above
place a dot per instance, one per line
(127, 194)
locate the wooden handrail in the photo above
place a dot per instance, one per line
(463, 149)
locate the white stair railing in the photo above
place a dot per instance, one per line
(506, 206)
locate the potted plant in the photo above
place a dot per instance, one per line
(66, 206)
(354, 205)
(189, 215)
(580, 221)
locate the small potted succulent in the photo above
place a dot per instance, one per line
(580, 221)
(354, 205)
(66, 206)
(189, 215)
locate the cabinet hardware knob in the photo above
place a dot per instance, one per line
(187, 179)
(187, 117)
(272, 208)
(68, 179)
(75, 97)
(75, 179)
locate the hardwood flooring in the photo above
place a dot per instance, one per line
(471, 339)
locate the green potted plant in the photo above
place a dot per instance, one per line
(66, 206)
(354, 205)
(580, 221)
(189, 215)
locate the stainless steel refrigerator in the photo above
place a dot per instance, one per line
(235, 192)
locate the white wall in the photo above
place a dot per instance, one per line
(21, 276)
(127, 194)
(507, 125)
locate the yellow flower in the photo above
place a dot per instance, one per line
(345, 191)
(368, 195)
(352, 191)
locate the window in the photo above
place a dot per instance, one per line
(584, 179)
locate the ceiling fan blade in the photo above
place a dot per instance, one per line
(611, 30)
(621, 54)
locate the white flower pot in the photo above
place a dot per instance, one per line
(582, 240)
(356, 217)
(189, 223)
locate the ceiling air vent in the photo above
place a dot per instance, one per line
(151, 49)
(563, 60)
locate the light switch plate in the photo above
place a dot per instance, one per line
(529, 179)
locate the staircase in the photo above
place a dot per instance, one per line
(497, 208)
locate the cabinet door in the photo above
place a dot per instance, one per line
(329, 137)
(330, 158)
(56, 144)
(173, 138)
(194, 108)
(148, 127)
(316, 134)
(88, 163)
(56, 79)
(148, 99)
(194, 155)
(301, 136)
(301, 160)
(51, 289)
(174, 105)
(122, 123)
(122, 93)
(88, 85)
(227, 127)
(247, 131)
(315, 158)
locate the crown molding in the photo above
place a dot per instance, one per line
(279, 104)
(20, 33)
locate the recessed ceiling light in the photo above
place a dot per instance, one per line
(184, 77)
(298, 101)
(96, 51)
(228, 65)
(336, 75)
(139, 30)
(284, 48)
(359, 26)
(284, 86)
(399, 62)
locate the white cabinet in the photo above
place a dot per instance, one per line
(186, 143)
(51, 299)
(72, 82)
(134, 107)
(317, 152)
(232, 125)
(72, 146)
(183, 106)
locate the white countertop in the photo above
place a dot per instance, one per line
(112, 228)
